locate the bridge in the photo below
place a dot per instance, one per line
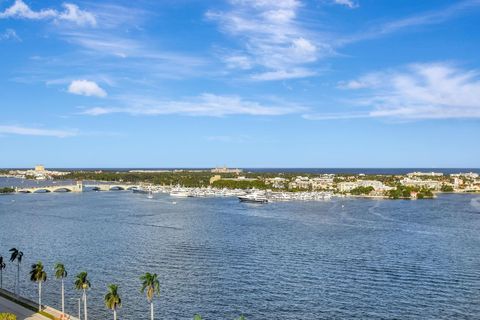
(78, 187)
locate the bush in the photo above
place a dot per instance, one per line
(7, 316)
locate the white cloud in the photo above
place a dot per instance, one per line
(418, 91)
(86, 88)
(74, 14)
(9, 34)
(347, 3)
(26, 131)
(272, 38)
(207, 104)
(417, 20)
(71, 13)
(20, 9)
(283, 74)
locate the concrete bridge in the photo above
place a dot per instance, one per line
(78, 187)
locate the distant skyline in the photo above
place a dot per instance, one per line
(242, 83)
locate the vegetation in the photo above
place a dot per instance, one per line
(446, 188)
(112, 300)
(407, 192)
(38, 275)
(6, 190)
(240, 184)
(61, 273)
(82, 283)
(7, 316)
(362, 190)
(151, 286)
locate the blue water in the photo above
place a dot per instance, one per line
(356, 259)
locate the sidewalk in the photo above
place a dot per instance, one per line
(21, 312)
(26, 309)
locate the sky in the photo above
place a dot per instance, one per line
(241, 83)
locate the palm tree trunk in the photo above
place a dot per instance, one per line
(63, 298)
(17, 289)
(114, 314)
(85, 304)
(151, 310)
(40, 296)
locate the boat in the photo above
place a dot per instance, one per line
(139, 190)
(150, 195)
(180, 194)
(253, 198)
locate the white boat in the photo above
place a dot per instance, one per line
(180, 194)
(254, 198)
(150, 195)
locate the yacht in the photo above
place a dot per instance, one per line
(253, 197)
(180, 194)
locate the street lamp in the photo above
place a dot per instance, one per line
(79, 307)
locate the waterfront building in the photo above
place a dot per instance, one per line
(468, 175)
(430, 184)
(350, 185)
(424, 174)
(277, 182)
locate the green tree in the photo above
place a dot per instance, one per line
(61, 273)
(151, 286)
(16, 255)
(197, 317)
(2, 266)
(82, 283)
(38, 275)
(113, 300)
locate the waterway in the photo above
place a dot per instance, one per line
(343, 258)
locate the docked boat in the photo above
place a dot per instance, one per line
(180, 194)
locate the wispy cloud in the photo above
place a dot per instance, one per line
(422, 19)
(9, 34)
(347, 3)
(418, 91)
(86, 88)
(209, 105)
(28, 131)
(274, 41)
(71, 13)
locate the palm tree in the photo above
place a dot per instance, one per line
(197, 317)
(113, 300)
(16, 255)
(241, 318)
(82, 283)
(61, 273)
(152, 286)
(2, 266)
(38, 275)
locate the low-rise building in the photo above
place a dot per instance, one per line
(226, 170)
(430, 184)
(424, 174)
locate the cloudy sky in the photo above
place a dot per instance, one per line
(248, 83)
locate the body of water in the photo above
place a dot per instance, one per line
(339, 259)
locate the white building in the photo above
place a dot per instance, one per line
(430, 184)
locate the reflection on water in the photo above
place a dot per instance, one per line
(343, 258)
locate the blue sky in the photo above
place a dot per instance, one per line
(265, 83)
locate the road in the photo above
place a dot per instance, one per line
(21, 312)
